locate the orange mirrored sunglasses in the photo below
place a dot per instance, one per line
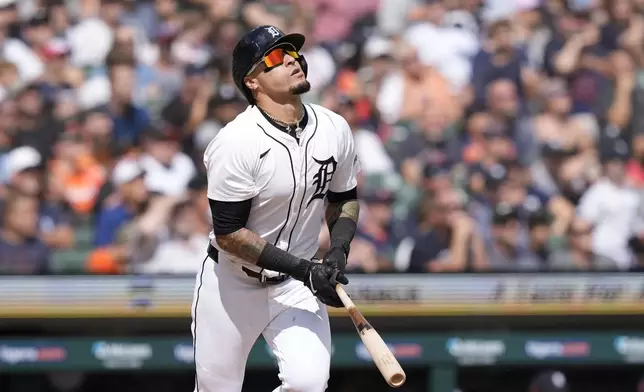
(275, 58)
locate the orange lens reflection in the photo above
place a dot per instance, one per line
(276, 57)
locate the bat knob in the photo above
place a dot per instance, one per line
(397, 380)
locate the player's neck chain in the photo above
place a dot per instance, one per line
(289, 127)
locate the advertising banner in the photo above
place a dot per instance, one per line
(376, 295)
(481, 349)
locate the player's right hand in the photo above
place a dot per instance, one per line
(321, 279)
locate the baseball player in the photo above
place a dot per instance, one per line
(270, 172)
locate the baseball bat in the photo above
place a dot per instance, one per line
(380, 353)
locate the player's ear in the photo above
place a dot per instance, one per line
(251, 83)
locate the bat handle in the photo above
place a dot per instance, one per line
(344, 297)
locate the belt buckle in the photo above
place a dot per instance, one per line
(262, 278)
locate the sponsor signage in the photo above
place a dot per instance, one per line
(122, 355)
(184, 353)
(15, 355)
(475, 351)
(428, 349)
(543, 349)
(631, 348)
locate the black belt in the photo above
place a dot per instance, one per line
(213, 253)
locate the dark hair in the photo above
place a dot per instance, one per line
(120, 56)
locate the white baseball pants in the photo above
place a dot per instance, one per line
(229, 312)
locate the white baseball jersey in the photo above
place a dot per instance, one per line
(287, 180)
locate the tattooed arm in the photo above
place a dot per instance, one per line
(250, 247)
(243, 243)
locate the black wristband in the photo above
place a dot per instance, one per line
(343, 231)
(274, 259)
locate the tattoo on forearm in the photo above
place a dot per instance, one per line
(244, 244)
(349, 209)
(332, 213)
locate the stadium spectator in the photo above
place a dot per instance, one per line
(167, 169)
(26, 176)
(77, 173)
(612, 206)
(447, 240)
(182, 252)
(21, 252)
(373, 247)
(405, 94)
(575, 54)
(541, 242)
(189, 108)
(17, 52)
(129, 201)
(129, 120)
(132, 223)
(35, 124)
(198, 194)
(509, 249)
(500, 59)
(580, 254)
(9, 79)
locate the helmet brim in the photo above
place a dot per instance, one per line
(295, 39)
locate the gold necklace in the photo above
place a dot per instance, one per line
(298, 129)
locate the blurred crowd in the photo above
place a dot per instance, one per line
(494, 135)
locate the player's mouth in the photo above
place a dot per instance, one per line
(296, 71)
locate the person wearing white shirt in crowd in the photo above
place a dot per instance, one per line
(183, 252)
(15, 51)
(612, 206)
(446, 41)
(168, 170)
(91, 39)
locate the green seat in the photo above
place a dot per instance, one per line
(69, 261)
(84, 236)
(73, 261)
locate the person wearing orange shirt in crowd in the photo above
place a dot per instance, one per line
(80, 175)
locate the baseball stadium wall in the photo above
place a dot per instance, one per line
(442, 324)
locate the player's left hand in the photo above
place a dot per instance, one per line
(321, 280)
(332, 299)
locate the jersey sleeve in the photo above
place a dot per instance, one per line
(346, 176)
(230, 166)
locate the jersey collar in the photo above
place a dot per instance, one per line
(273, 130)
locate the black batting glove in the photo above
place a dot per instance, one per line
(321, 279)
(336, 258)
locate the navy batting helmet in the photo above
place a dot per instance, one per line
(252, 47)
